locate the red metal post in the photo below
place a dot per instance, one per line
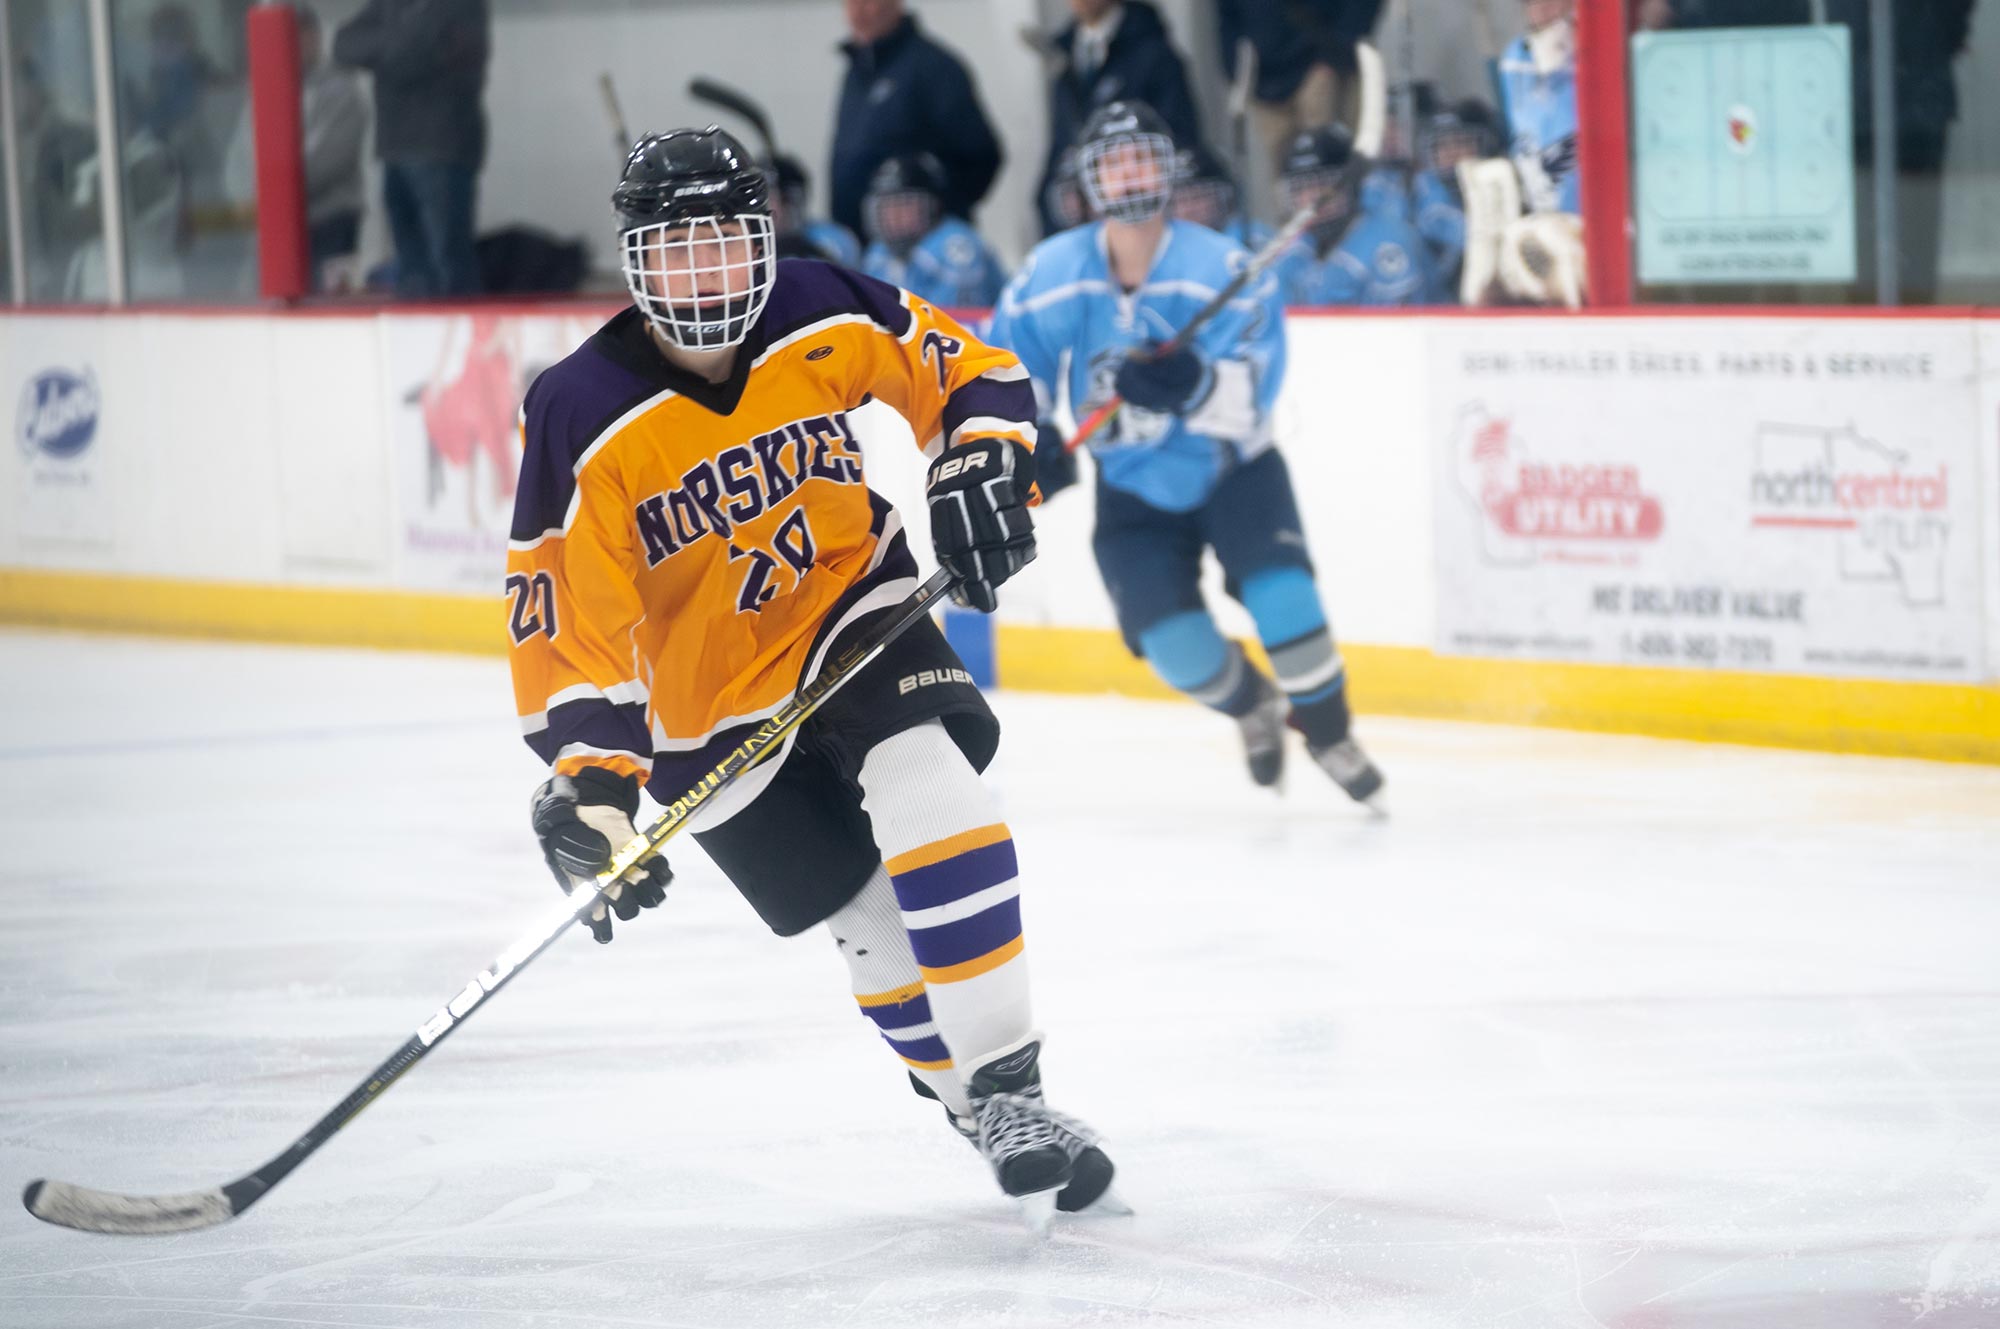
(1603, 149)
(284, 261)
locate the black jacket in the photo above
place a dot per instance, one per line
(429, 62)
(1140, 64)
(906, 93)
(1291, 36)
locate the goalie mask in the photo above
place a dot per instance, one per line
(695, 237)
(1319, 173)
(904, 201)
(1125, 157)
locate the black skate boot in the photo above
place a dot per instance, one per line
(1263, 730)
(1350, 768)
(1091, 1169)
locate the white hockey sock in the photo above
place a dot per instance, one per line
(869, 931)
(951, 862)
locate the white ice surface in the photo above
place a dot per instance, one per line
(1592, 1032)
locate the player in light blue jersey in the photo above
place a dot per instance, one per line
(1361, 247)
(1206, 194)
(800, 234)
(1465, 132)
(1538, 98)
(1189, 463)
(914, 245)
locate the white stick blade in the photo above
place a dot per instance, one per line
(87, 1210)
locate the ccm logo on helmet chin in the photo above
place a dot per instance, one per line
(909, 683)
(958, 465)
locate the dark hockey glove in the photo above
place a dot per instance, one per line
(1055, 465)
(979, 516)
(582, 820)
(1170, 384)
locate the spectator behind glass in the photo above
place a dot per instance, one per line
(335, 123)
(904, 94)
(428, 58)
(1116, 50)
(1538, 90)
(58, 214)
(1306, 75)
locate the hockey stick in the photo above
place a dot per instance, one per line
(729, 99)
(614, 111)
(89, 1210)
(1259, 261)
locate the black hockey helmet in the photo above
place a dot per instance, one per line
(695, 236)
(1321, 171)
(1204, 191)
(1125, 161)
(904, 198)
(1467, 131)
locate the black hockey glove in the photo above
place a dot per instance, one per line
(1055, 465)
(582, 820)
(979, 516)
(1170, 384)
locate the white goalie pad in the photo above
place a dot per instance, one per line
(1541, 260)
(1492, 194)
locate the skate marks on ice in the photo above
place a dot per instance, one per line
(1596, 1032)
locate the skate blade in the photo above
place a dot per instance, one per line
(1108, 1205)
(1038, 1209)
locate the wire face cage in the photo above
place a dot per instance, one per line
(702, 281)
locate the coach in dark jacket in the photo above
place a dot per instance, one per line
(1117, 50)
(428, 58)
(904, 93)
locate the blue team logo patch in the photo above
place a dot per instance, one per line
(58, 414)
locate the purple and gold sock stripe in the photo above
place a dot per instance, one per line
(904, 1016)
(961, 903)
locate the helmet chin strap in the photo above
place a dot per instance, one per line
(1552, 46)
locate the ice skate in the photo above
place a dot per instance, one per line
(1091, 1170)
(1263, 732)
(1351, 769)
(1015, 1135)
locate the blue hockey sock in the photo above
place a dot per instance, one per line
(1188, 653)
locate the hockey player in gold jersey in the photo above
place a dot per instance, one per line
(694, 538)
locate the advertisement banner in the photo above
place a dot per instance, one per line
(1779, 495)
(453, 388)
(54, 380)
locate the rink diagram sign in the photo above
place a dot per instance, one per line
(1771, 495)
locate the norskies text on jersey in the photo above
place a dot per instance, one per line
(743, 482)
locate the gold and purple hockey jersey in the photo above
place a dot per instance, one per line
(680, 548)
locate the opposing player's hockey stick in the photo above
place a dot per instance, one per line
(1260, 260)
(103, 1211)
(729, 99)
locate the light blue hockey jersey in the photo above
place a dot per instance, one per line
(1382, 260)
(1540, 110)
(1066, 318)
(951, 266)
(1440, 220)
(835, 241)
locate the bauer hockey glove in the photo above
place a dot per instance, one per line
(979, 516)
(1170, 384)
(582, 820)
